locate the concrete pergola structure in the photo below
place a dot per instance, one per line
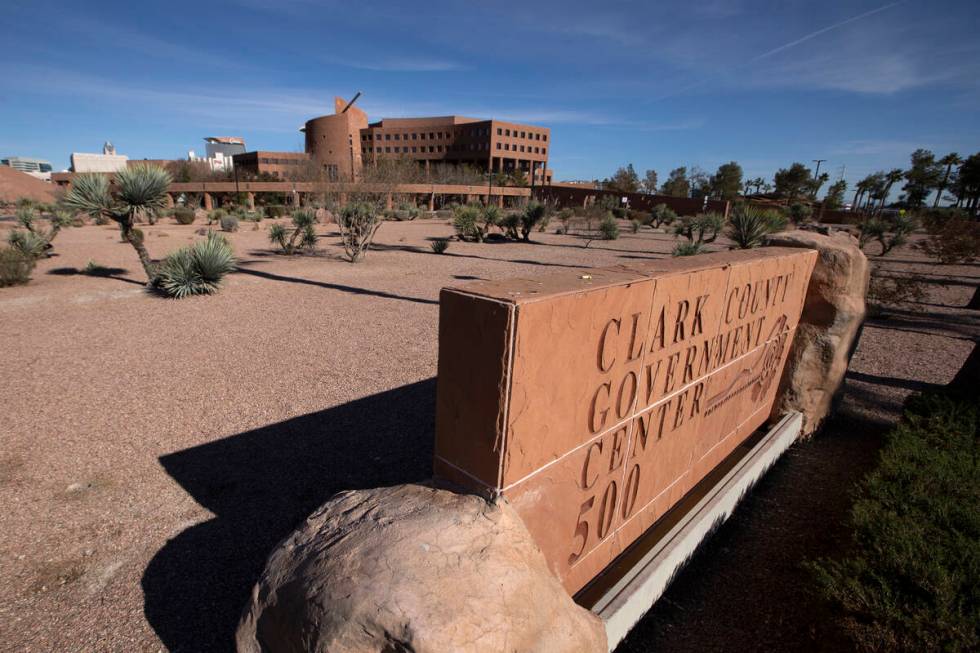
(295, 191)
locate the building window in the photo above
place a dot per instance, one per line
(415, 137)
(544, 137)
(544, 150)
(498, 146)
(522, 148)
(432, 149)
(439, 148)
(432, 136)
(500, 132)
(388, 150)
(414, 149)
(423, 136)
(506, 132)
(397, 137)
(387, 137)
(523, 134)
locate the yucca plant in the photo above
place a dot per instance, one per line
(137, 189)
(533, 214)
(303, 232)
(749, 226)
(28, 243)
(197, 269)
(702, 228)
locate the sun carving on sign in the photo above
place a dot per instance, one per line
(771, 356)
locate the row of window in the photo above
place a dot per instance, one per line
(283, 162)
(520, 148)
(397, 137)
(416, 149)
(534, 136)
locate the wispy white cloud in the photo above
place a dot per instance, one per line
(404, 64)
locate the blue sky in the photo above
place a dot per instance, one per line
(657, 84)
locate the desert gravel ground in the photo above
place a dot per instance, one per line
(154, 451)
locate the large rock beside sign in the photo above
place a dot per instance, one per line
(413, 568)
(595, 400)
(833, 313)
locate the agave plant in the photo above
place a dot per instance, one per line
(138, 190)
(197, 269)
(303, 232)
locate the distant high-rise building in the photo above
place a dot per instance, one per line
(220, 152)
(25, 164)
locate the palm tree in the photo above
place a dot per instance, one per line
(894, 176)
(950, 160)
(137, 190)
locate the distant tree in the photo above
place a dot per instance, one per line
(816, 183)
(649, 184)
(756, 184)
(950, 160)
(625, 180)
(835, 195)
(920, 179)
(875, 183)
(793, 182)
(677, 185)
(727, 182)
(700, 182)
(967, 187)
(894, 176)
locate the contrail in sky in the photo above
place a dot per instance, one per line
(812, 35)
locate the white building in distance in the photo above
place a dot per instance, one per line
(108, 161)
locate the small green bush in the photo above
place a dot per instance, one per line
(957, 240)
(800, 213)
(635, 226)
(439, 245)
(701, 228)
(276, 210)
(609, 228)
(184, 215)
(662, 215)
(911, 580)
(216, 215)
(688, 249)
(229, 223)
(15, 267)
(197, 269)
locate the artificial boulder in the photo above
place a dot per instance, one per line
(413, 568)
(833, 313)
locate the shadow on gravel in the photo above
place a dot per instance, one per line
(260, 485)
(906, 384)
(99, 271)
(354, 290)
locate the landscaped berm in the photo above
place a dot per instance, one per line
(185, 395)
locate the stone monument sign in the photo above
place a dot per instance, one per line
(595, 399)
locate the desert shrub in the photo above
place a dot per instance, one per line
(662, 215)
(701, 228)
(28, 243)
(229, 223)
(466, 222)
(688, 249)
(93, 269)
(15, 267)
(638, 216)
(532, 215)
(439, 245)
(889, 233)
(275, 210)
(197, 269)
(301, 235)
(635, 226)
(934, 219)
(748, 226)
(184, 215)
(800, 213)
(911, 579)
(565, 218)
(955, 241)
(358, 222)
(216, 215)
(609, 228)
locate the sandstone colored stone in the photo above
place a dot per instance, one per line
(828, 331)
(413, 568)
(594, 400)
(323, 216)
